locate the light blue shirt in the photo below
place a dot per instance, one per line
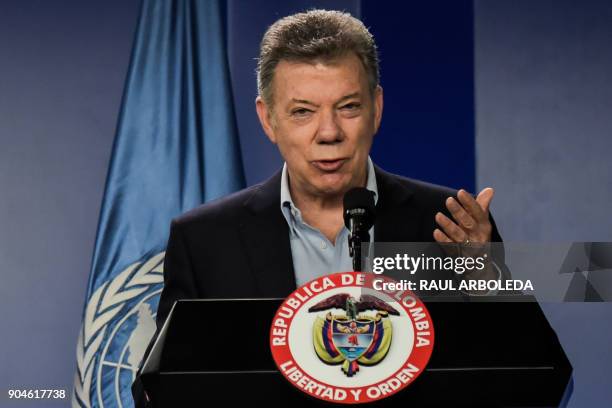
(313, 254)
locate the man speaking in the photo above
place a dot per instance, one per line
(321, 103)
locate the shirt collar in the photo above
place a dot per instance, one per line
(287, 205)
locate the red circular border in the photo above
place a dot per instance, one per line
(419, 357)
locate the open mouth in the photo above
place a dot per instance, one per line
(329, 165)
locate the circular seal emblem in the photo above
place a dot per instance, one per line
(339, 340)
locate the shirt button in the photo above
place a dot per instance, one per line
(323, 245)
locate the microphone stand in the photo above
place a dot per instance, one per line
(356, 237)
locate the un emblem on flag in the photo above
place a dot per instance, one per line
(118, 324)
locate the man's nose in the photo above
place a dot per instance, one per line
(329, 131)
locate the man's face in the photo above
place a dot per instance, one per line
(323, 120)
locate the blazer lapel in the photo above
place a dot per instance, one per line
(396, 218)
(265, 236)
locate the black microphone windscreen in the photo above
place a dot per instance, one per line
(359, 201)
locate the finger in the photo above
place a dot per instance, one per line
(464, 219)
(441, 237)
(471, 206)
(452, 230)
(484, 199)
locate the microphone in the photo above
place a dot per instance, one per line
(359, 214)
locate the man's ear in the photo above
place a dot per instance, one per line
(264, 113)
(378, 107)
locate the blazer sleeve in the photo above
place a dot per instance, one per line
(498, 252)
(179, 282)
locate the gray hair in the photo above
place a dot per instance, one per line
(311, 36)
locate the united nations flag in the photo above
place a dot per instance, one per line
(176, 146)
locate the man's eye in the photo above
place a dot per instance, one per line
(351, 106)
(300, 112)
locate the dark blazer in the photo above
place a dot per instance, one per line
(238, 246)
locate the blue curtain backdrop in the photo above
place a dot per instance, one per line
(176, 146)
